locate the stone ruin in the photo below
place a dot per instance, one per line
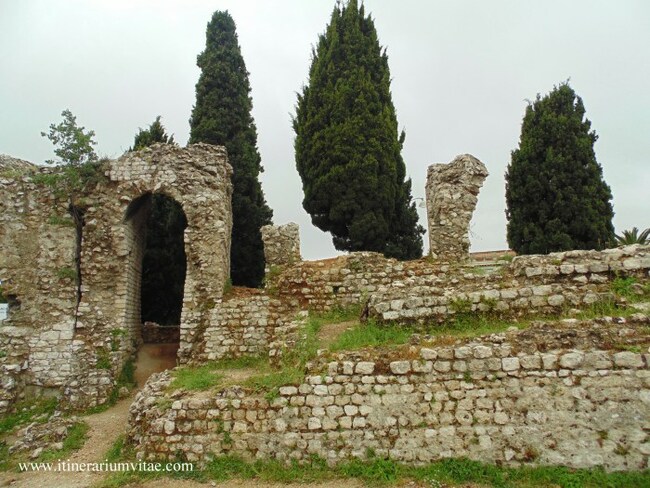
(74, 290)
(451, 193)
(281, 244)
(74, 320)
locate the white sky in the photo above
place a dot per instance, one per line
(461, 71)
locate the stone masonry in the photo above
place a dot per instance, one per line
(76, 291)
(555, 394)
(281, 244)
(452, 192)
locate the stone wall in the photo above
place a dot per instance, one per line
(281, 244)
(256, 322)
(76, 338)
(250, 323)
(555, 394)
(452, 192)
(153, 333)
(542, 284)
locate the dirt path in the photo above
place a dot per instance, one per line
(105, 428)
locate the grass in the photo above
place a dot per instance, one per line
(27, 412)
(377, 471)
(371, 334)
(66, 273)
(126, 379)
(64, 221)
(196, 377)
(73, 441)
(267, 379)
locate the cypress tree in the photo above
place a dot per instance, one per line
(222, 116)
(348, 149)
(555, 193)
(154, 133)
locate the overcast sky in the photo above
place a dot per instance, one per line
(461, 70)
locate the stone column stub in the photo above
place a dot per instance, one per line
(452, 192)
(281, 244)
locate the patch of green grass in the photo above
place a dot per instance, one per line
(506, 257)
(377, 471)
(66, 273)
(74, 440)
(370, 334)
(622, 286)
(196, 377)
(103, 359)
(26, 412)
(227, 286)
(64, 221)
(116, 451)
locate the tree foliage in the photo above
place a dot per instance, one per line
(348, 149)
(222, 116)
(72, 144)
(154, 133)
(632, 236)
(555, 193)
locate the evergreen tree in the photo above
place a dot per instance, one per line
(155, 133)
(348, 149)
(222, 116)
(555, 193)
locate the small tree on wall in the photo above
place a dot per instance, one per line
(222, 116)
(555, 193)
(154, 133)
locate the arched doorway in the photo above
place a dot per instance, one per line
(158, 264)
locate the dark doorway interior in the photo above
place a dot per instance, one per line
(164, 262)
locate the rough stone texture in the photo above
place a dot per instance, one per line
(250, 323)
(543, 283)
(52, 340)
(503, 398)
(153, 333)
(452, 192)
(37, 437)
(281, 244)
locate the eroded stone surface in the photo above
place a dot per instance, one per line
(54, 340)
(281, 244)
(504, 400)
(452, 192)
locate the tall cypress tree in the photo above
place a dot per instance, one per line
(555, 193)
(222, 116)
(348, 149)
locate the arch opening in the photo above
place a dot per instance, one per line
(156, 278)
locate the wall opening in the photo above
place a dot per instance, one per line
(156, 277)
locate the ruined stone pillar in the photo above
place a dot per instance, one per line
(281, 244)
(451, 191)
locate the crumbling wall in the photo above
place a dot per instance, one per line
(452, 192)
(37, 266)
(81, 347)
(555, 394)
(281, 244)
(540, 283)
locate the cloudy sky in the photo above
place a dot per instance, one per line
(462, 72)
